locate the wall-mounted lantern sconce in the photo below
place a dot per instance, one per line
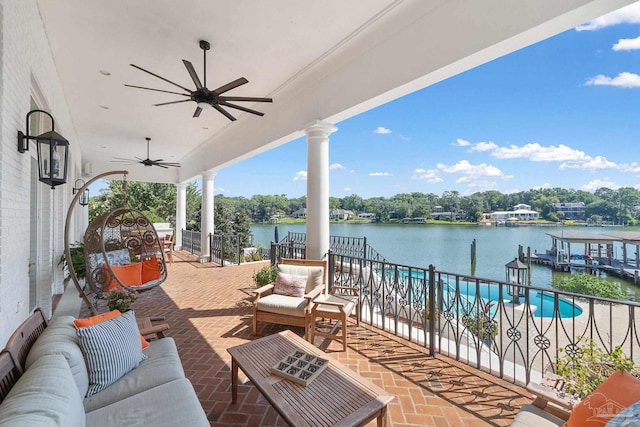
(84, 198)
(53, 150)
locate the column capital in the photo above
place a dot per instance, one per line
(320, 128)
(181, 185)
(208, 174)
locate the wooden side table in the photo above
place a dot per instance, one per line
(550, 396)
(338, 305)
(149, 329)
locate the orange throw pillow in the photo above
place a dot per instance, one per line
(150, 270)
(610, 398)
(88, 321)
(129, 275)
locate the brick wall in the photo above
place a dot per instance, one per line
(27, 68)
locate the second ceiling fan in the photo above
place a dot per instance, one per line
(202, 96)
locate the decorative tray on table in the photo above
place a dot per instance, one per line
(300, 367)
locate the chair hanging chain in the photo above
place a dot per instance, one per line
(124, 191)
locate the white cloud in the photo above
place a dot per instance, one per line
(628, 15)
(352, 171)
(632, 167)
(627, 44)
(538, 153)
(482, 185)
(347, 189)
(590, 164)
(625, 80)
(336, 166)
(461, 143)
(380, 174)
(540, 187)
(300, 176)
(429, 175)
(473, 171)
(220, 190)
(599, 183)
(382, 130)
(484, 146)
(405, 138)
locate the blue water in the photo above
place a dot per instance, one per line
(447, 247)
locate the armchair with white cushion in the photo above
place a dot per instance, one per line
(288, 301)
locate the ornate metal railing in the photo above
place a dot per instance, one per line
(191, 242)
(479, 322)
(295, 244)
(225, 249)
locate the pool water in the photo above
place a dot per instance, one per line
(543, 301)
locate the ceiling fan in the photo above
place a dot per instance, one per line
(147, 161)
(202, 96)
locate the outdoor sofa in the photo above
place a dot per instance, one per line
(45, 380)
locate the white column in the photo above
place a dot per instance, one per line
(181, 214)
(206, 219)
(318, 188)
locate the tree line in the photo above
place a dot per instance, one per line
(158, 201)
(618, 206)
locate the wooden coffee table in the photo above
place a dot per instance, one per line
(337, 397)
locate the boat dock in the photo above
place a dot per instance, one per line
(598, 253)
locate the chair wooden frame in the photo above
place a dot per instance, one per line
(167, 247)
(282, 319)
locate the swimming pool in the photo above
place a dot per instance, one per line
(543, 301)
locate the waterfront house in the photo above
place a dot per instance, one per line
(571, 210)
(300, 213)
(367, 216)
(446, 216)
(340, 215)
(520, 212)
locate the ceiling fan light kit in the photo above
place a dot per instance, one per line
(202, 96)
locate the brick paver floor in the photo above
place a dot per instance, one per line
(209, 309)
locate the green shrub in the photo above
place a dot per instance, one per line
(590, 285)
(585, 369)
(266, 275)
(482, 324)
(76, 250)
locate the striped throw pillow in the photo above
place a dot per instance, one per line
(111, 349)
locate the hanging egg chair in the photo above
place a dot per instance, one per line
(122, 251)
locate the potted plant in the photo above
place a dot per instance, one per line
(120, 299)
(265, 275)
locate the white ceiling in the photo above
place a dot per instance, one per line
(318, 60)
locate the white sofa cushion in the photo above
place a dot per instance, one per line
(315, 275)
(162, 365)
(60, 338)
(45, 395)
(282, 304)
(111, 349)
(168, 405)
(532, 416)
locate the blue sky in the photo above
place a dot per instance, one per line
(564, 112)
